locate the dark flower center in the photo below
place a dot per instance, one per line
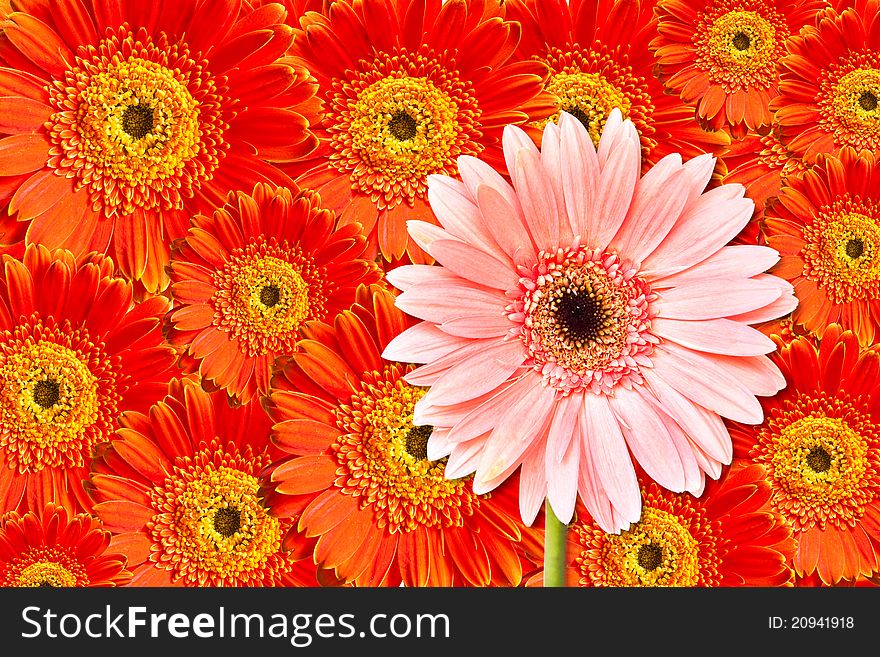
(402, 126)
(270, 295)
(579, 317)
(855, 248)
(819, 460)
(868, 101)
(650, 556)
(46, 393)
(138, 121)
(416, 442)
(741, 41)
(227, 521)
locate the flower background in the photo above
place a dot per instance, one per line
(234, 235)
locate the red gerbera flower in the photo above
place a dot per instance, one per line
(75, 352)
(51, 548)
(820, 445)
(247, 277)
(408, 86)
(829, 90)
(598, 56)
(826, 227)
(123, 119)
(729, 536)
(720, 56)
(182, 487)
(371, 505)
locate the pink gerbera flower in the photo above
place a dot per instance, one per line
(584, 317)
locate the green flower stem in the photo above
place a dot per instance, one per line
(554, 548)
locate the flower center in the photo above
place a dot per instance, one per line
(403, 127)
(264, 294)
(821, 454)
(848, 101)
(42, 566)
(589, 97)
(740, 48)
(57, 396)
(403, 117)
(842, 251)
(211, 527)
(384, 458)
(47, 393)
(585, 318)
(227, 521)
(650, 556)
(137, 122)
(659, 550)
(588, 84)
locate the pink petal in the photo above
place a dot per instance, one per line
(532, 484)
(447, 417)
(716, 298)
(594, 496)
(522, 424)
(617, 183)
(562, 482)
(615, 134)
(478, 326)
(706, 383)
(513, 140)
(463, 458)
(537, 198)
(442, 301)
(458, 213)
(579, 176)
(758, 373)
(562, 428)
(424, 234)
(779, 308)
(474, 264)
(422, 343)
(714, 336)
(484, 417)
(611, 460)
(427, 374)
(506, 225)
(407, 276)
(648, 436)
(554, 165)
(737, 261)
(475, 375)
(712, 221)
(660, 196)
(474, 173)
(704, 428)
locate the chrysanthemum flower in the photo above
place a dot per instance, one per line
(721, 55)
(52, 548)
(585, 313)
(821, 447)
(180, 487)
(727, 537)
(407, 87)
(123, 120)
(598, 56)
(826, 226)
(75, 352)
(829, 90)
(248, 276)
(371, 505)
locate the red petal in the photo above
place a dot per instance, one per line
(305, 436)
(306, 474)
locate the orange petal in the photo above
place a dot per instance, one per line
(39, 43)
(18, 115)
(414, 557)
(23, 154)
(134, 545)
(194, 317)
(123, 515)
(305, 436)
(306, 474)
(39, 193)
